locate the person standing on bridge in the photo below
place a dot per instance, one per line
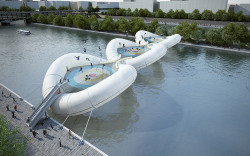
(60, 143)
(2, 93)
(34, 133)
(15, 107)
(7, 107)
(69, 133)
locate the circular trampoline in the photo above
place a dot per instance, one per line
(132, 51)
(156, 39)
(87, 76)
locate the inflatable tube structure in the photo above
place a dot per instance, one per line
(144, 38)
(93, 96)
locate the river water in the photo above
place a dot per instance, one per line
(194, 101)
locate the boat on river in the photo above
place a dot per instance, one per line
(25, 32)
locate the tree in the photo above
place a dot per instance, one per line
(218, 15)
(147, 13)
(207, 15)
(25, 8)
(97, 9)
(153, 25)
(94, 25)
(213, 36)
(195, 15)
(224, 17)
(183, 14)
(58, 20)
(122, 25)
(176, 15)
(107, 24)
(128, 12)
(159, 13)
(136, 24)
(136, 13)
(52, 8)
(81, 22)
(51, 18)
(184, 30)
(34, 17)
(172, 31)
(229, 33)
(170, 13)
(42, 8)
(80, 8)
(142, 13)
(197, 36)
(161, 30)
(4, 8)
(111, 12)
(90, 9)
(120, 12)
(42, 19)
(12, 141)
(231, 16)
(242, 33)
(92, 18)
(69, 20)
(239, 15)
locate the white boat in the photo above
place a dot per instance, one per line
(97, 83)
(147, 49)
(25, 32)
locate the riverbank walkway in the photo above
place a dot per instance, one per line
(48, 144)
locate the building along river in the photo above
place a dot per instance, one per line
(194, 101)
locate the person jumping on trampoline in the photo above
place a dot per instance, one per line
(81, 69)
(77, 57)
(85, 50)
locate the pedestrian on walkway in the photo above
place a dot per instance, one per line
(42, 123)
(51, 126)
(14, 100)
(28, 120)
(44, 131)
(7, 107)
(69, 133)
(34, 133)
(2, 93)
(60, 143)
(13, 115)
(15, 107)
(85, 50)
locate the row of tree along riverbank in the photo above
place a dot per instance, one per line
(220, 15)
(230, 35)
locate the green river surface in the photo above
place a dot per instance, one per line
(193, 101)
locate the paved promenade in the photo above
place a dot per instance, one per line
(43, 144)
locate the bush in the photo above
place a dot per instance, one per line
(80, 8)
(34, 17)
(218, 15)
(136, 24)
(172, 31)
(136, 13)
(92, 18)
(241, 45)
(159, 13)
(58, 20)
(4, 8)
(97, 9)
(90, 9)
(153, 25)
(170, 14)
(42, 19)
(25, 8)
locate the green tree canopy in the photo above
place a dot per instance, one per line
(108, 24)
(34, 17)
(97, 9)
(68, 21)
(161, 30)
(240, 16)
(170, 13)
(242, 33)
(136, 24)
(218, 15)
(142, 13)
(159, 13)
(58, 20)
(122, 25)
(229, 33)
(92, 18)
(153, 25)
(52, 8)
(81, 22)
(195, 15)
(136, 13)
(42, 8)
(12, 141)
(128, 12)
(51, 18)
(94, 25)
(207, 15)
(214, 36)
(42, 19)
